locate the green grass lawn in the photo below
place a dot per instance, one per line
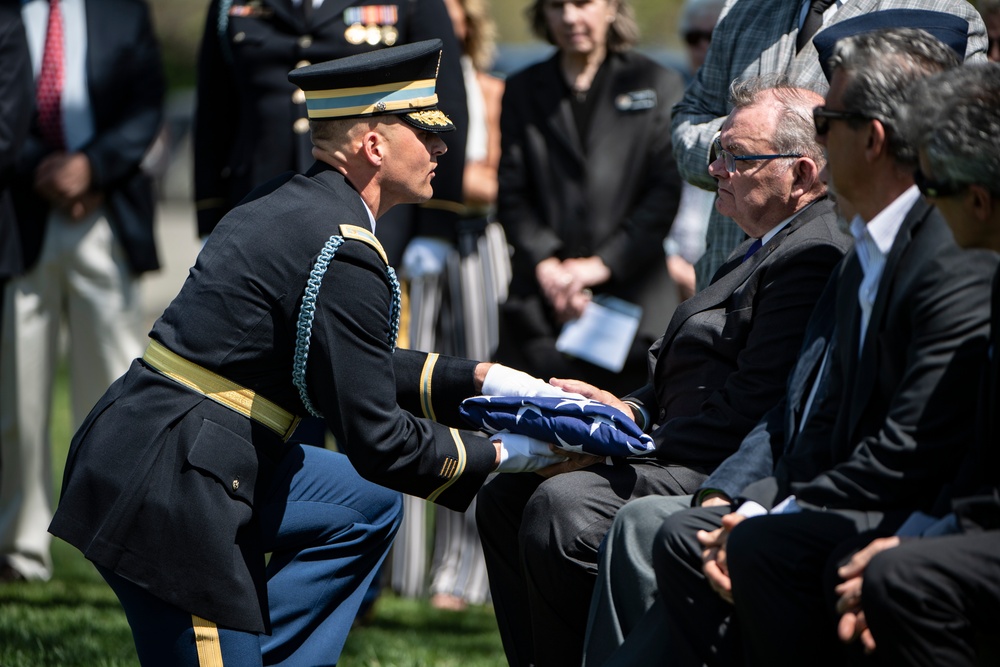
(75, 619)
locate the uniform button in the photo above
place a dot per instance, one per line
(305, 41)
(236, 484)
(302, 63)
(301, 126)
(239, 37)
(298, 96)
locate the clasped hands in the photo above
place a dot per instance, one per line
(853, 626)
(566, 283)
(64, 179)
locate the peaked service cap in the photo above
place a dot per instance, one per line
(399, 80)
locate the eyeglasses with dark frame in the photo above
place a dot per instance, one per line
(730, 160)
(935, 189)
(822, 117)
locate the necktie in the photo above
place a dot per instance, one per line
(307, 10)
(50, 82)
(813, 22)
(754, 247)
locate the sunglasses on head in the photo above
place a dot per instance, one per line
(696, 37)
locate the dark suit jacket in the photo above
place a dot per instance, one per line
(975, 492)
(126, 88)
(184, 533)
(893, 424)
(725, 357)
(16, 99)
(766, 443)
(246, 108)
(612, 194)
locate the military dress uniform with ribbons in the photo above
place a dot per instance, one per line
(161, 463)
(251, 124)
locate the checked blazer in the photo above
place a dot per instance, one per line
(757, 37)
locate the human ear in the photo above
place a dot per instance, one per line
(373, 147)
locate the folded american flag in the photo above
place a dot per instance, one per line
(574, 424)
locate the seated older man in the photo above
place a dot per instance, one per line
(721, 364)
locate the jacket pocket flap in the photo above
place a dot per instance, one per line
(226, 456)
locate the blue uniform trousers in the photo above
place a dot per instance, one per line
(327, 530)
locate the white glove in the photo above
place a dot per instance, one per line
(520, 453)
(505, 381)
(425, 255)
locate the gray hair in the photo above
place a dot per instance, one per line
(795, 132)
(623, 34)
(955, 118)
(880, 65)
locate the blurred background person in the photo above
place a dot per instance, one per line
(16, 93)
(250, 122)
(685, 243)
(990, 11)
(459, 316)
(85, 213)
(588, 188)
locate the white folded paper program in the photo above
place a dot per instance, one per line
(603, 334)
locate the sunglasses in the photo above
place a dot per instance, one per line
(822, 117)
(696, 37)
(730, 160)
(935, 189)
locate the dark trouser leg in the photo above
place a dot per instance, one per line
(934, 602)
(564, 523)
(168, 636)
(626, 582)
(328, 531)
(780, 567)
(699, 624)
(499, 507)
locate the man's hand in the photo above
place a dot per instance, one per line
(713, 558)
(65, 179)
(852, 625)
(574, 461)
(591, 392)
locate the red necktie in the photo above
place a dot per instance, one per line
(50, 82)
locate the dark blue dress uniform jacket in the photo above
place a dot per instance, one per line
(250, 122)
(149, 487)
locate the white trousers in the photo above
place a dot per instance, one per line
(82, 282)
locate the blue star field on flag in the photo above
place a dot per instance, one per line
(574, 424)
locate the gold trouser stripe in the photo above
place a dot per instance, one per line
(219, 389)
(426, 375)
(462, 458)
(206, 640)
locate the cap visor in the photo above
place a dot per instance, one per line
(429, 120)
